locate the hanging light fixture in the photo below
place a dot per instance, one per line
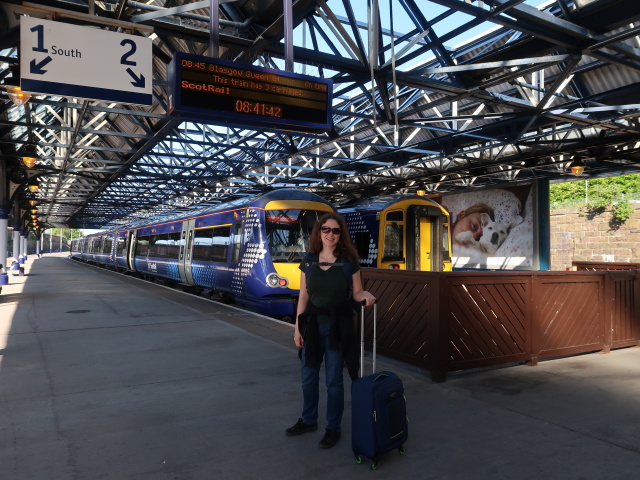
(577, 166)
(33, 186)
(29, 162)
(33, 203)
(34, 210)
(29, 156)
(17, 96)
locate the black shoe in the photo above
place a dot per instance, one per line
(330, 439)
(300, 428)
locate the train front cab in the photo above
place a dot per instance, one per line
(415, 236)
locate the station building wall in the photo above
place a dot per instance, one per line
(577, 235)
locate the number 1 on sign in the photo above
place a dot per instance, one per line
(39, 29)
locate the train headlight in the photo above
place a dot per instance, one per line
(274, 280)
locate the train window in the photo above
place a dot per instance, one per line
(202, 241)
(160, 246)
(173, 245)
(142, 246)
(393, 237)
(106, 246)
(120, 245)
(288, 233)
(446, 254)
(211, 244)
(220, 244)
(237, 241)
(182, 244)
(397, 216)
(153, 246)
(362, 240)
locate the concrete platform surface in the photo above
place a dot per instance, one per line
(107, 377)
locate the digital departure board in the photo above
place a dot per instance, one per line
(217, 91)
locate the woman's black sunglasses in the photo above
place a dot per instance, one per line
(335, 231)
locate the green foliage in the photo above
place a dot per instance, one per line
(598, 194)
(621, 212)
(67, 233)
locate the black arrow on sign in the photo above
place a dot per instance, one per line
(137, 81)
(36, 68)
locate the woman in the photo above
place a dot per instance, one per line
(470, 220)
(324, 324)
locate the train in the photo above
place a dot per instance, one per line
(247, 251)
(399, 231)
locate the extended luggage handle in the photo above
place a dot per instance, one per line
(375, 321)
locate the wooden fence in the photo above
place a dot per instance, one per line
(460, 320)
(595, 266)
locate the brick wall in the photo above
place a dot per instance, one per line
(581, 236)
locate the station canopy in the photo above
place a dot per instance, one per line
(434, 95)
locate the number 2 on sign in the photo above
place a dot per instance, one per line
(124, 60)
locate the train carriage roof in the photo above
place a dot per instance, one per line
(376, 204)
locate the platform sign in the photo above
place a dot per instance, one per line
(82, 62)
(211, 90)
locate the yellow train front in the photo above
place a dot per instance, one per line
(405, 232)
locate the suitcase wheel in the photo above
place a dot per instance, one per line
(358, 459)
(402, 450)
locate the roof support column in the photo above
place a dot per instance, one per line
(16, 243)
(4, 233)
(214, 31)
(5, 210)
(288, 35)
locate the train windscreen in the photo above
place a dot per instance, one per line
(288, 233)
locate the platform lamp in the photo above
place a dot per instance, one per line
(33, 186)
(17, 95)
(12, 86)
(577, 166)
(29, 156)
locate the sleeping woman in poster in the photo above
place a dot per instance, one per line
(491, 228)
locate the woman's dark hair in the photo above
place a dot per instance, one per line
(344, 247)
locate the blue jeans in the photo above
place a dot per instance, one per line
(335, 387)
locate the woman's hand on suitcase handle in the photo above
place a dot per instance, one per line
(367, 299)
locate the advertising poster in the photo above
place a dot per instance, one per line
(493, 228)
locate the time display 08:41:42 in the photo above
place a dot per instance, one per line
(258, 108)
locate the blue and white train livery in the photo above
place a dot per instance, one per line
(399, 231)
(246, 250)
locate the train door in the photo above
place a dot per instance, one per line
(186, 247)
(423, 238)
(237, 283)
(131, 250)
(392, 235)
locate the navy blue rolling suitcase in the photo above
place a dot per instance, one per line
(379, 410)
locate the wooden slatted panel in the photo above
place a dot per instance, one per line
(405, 313)
(624, 309)
(599, 266)
(487, 321)
(447, 321)
(570, 314)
